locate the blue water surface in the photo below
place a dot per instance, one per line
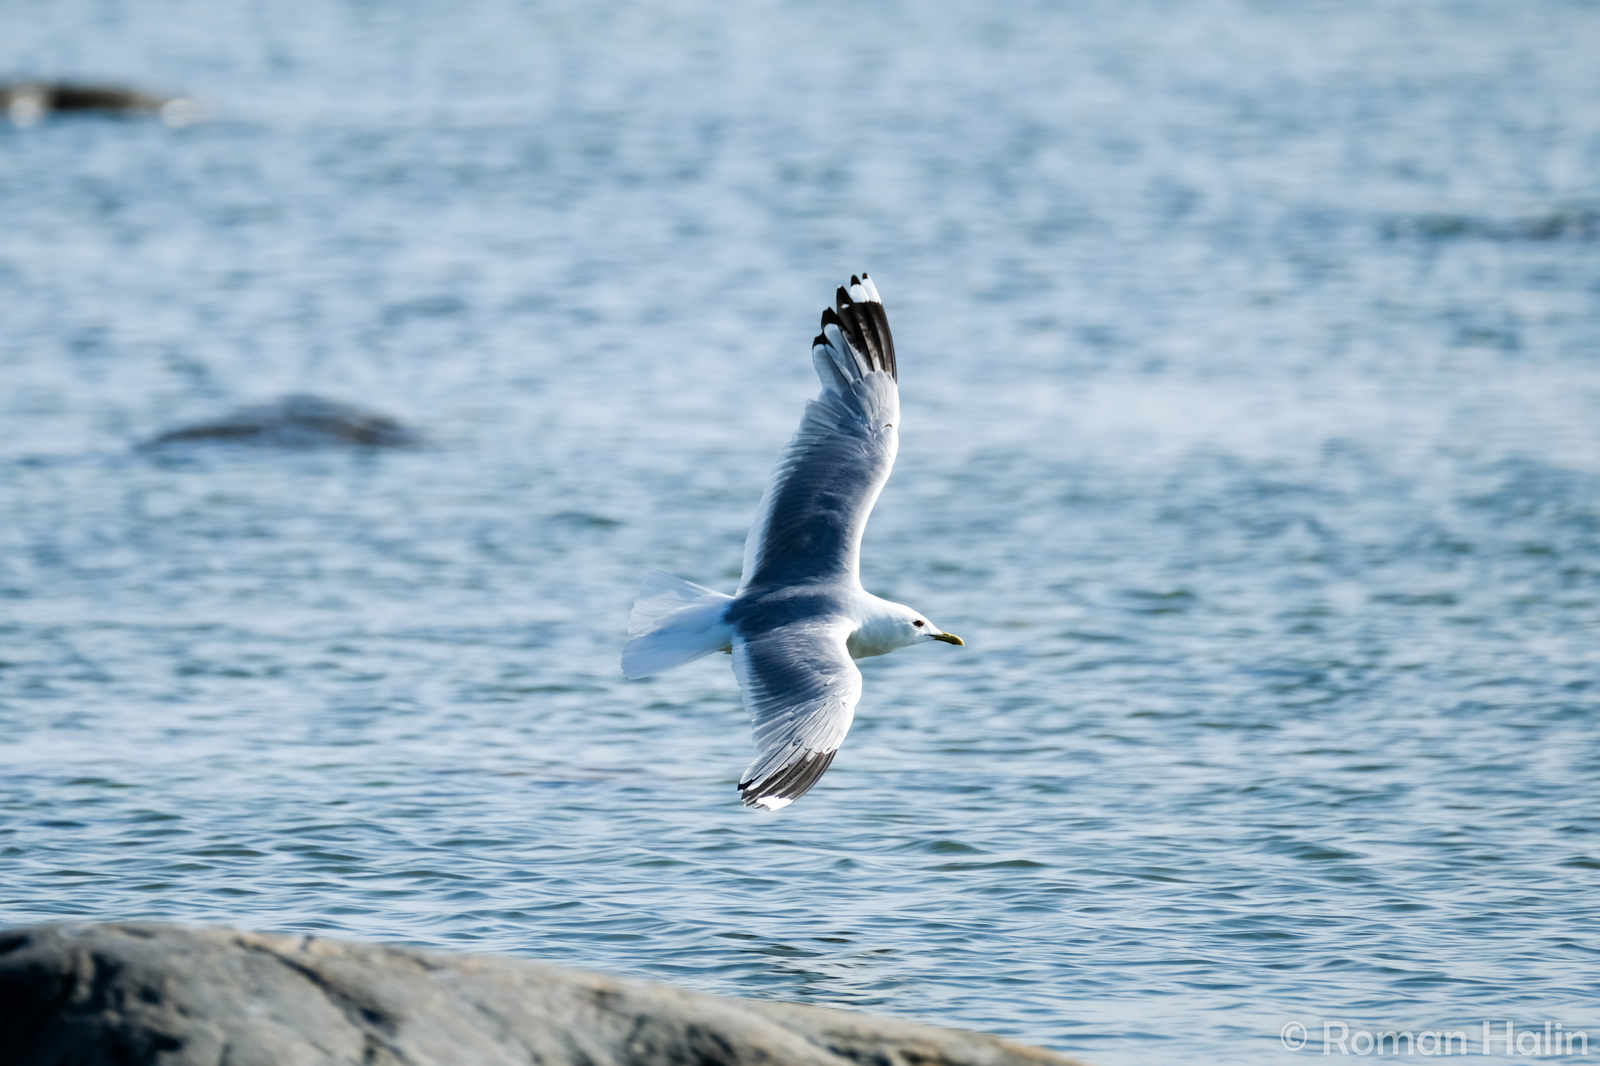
(1250, 359)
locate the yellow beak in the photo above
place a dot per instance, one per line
(950, 638)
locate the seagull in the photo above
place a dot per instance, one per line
(800, 617)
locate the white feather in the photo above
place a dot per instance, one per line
(674, 622)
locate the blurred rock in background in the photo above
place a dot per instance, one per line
(297, 421)
(27, 103)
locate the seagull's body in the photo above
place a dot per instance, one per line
(800, 616)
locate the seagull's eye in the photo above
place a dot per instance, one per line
(918, 623)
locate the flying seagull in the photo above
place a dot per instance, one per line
(800, 616)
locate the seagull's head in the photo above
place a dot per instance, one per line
(896, 626)
(923, 631)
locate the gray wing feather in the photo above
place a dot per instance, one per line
(817, 501)
(801, 688)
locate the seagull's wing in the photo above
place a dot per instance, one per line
(816, 505)
(801, 687)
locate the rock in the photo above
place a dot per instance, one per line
(1566, 223)
(27, 103)
(297, 422)
(153, 993)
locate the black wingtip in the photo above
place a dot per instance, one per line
(865, 327)
(789, 783)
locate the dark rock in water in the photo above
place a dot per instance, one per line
(297, 422)
(1567, 223)
(27, 103)
(147, 992)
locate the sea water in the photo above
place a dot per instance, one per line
(1250, 369)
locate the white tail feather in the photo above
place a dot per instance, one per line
(674, 622)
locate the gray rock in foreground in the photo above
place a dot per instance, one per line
(151, 993)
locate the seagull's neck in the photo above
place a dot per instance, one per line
(878, 627)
